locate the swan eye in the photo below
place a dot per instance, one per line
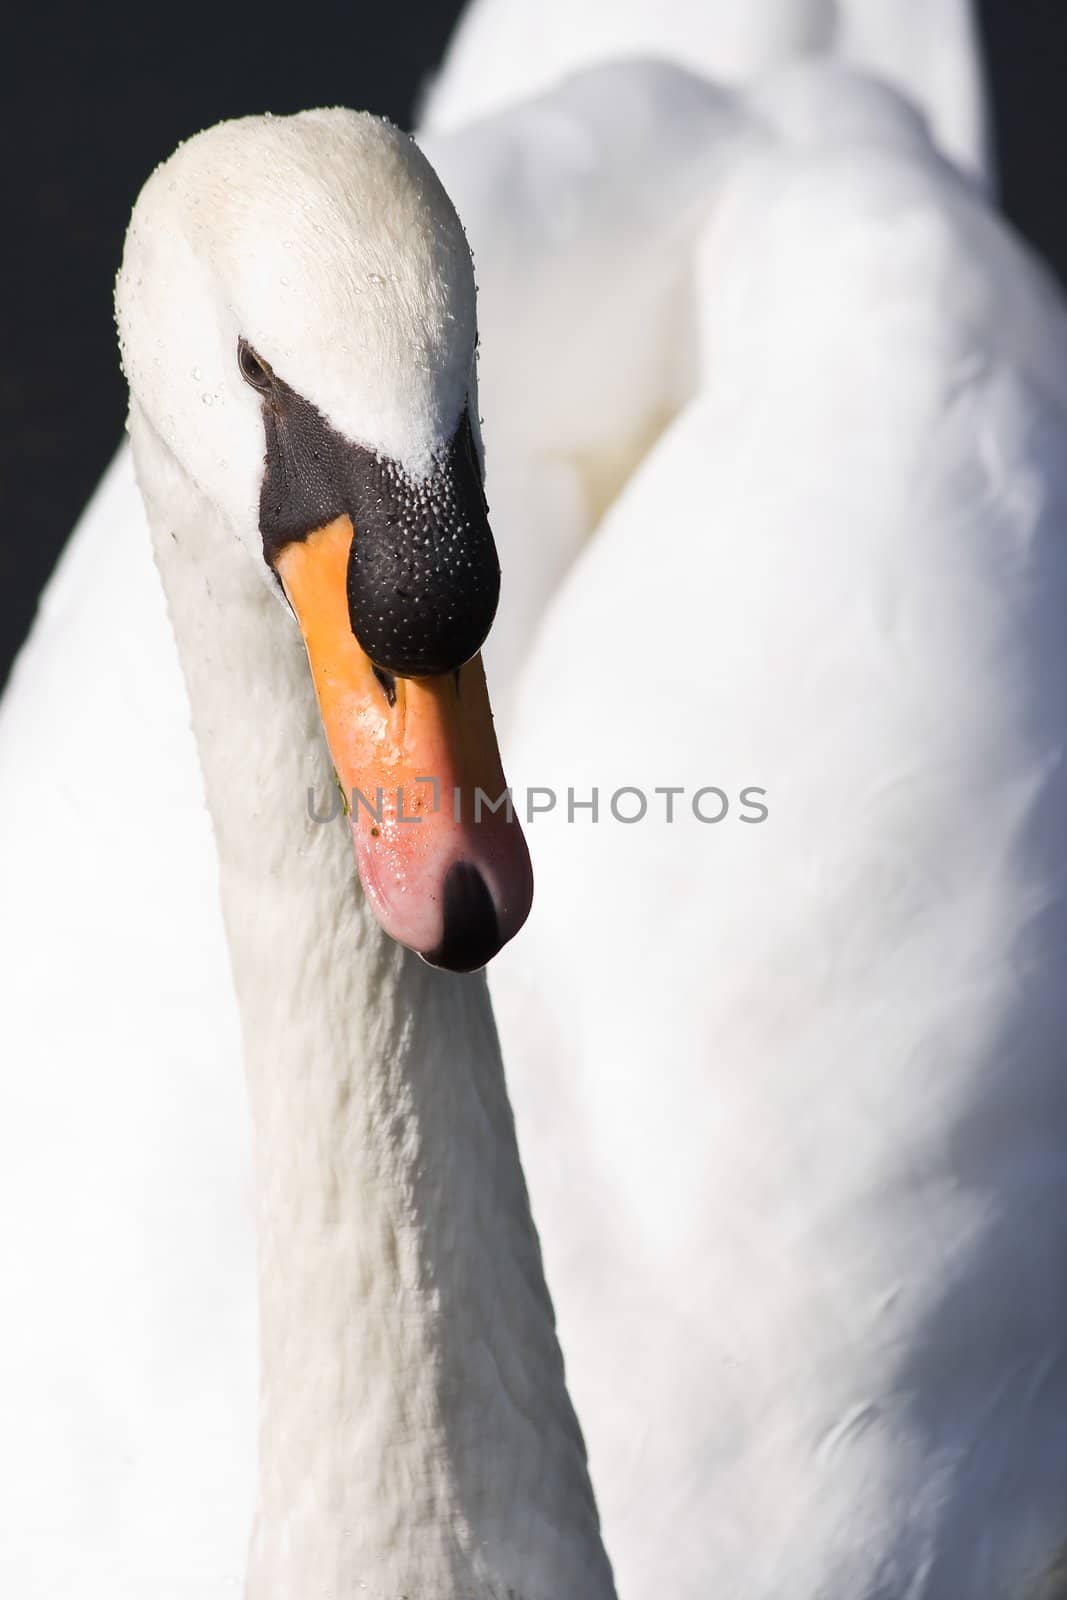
(253, 370)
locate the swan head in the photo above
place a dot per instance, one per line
(296, 311)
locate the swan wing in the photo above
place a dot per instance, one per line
(790, 1083)
(128, 1377)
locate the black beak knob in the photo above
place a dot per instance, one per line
(423, 573)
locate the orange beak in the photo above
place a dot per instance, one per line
(441, 857)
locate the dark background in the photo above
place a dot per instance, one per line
(92, 102)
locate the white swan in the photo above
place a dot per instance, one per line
(802, 1160)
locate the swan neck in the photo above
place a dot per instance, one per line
(416, 1434)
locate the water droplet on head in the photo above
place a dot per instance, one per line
(208, 399)
(196, 373)
(375, 277)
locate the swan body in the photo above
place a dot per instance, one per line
(814, 1065)
(787, 1092)
(864, 428)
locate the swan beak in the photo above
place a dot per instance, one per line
(418, 762)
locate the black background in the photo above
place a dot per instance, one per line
(91, 103)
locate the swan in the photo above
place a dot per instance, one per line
(799, 1206)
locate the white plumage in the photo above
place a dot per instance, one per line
(806, 1076)
(789, 1093)
(504, 50)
